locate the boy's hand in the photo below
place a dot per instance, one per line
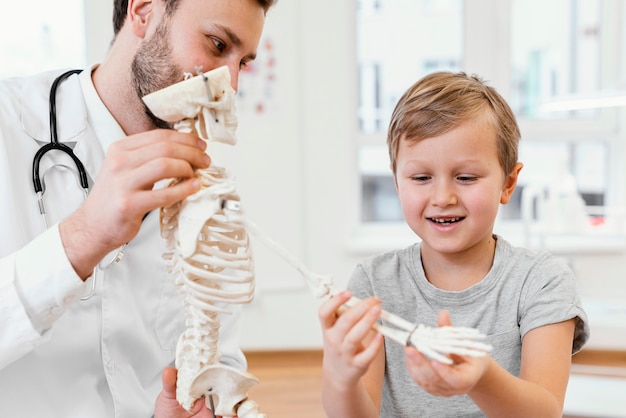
(350, 344)
(441, 379)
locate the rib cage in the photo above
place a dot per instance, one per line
(219, 272)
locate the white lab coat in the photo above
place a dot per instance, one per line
(60, 356)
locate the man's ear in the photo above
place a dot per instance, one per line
(139, 15)
(510, 183)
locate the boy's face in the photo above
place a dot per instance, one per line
(450, 186)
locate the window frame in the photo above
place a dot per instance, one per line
(487, 51)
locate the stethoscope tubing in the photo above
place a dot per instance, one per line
(54, 143)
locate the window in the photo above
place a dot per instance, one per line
(538, 63)
(398, 41)
(558, 58)
(42, 35)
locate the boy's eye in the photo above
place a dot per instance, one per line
(466, 179)
(420, 178)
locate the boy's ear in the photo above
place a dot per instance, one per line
(510, 183)
(139, 14)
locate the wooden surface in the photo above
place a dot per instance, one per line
(290, 383)
(607, 363)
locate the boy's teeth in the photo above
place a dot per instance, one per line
(447, 220)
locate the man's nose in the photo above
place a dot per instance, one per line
(234, 75)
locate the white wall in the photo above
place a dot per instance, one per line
(99, 29)
(306, 145)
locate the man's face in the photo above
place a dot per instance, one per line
(206, 34)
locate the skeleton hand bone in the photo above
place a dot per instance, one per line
(435, 343)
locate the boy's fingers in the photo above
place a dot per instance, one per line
(443, 319)
(328, 312)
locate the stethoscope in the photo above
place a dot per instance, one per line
(54, 144)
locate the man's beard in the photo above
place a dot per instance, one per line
(152, 68)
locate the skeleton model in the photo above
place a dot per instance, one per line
(209, 251)
(208, 245)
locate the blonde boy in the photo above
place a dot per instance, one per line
(453, 146)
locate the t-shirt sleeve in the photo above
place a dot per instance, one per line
(550, 296)
(360, 283)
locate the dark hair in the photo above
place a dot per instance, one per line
(120, 8)
(440, 102)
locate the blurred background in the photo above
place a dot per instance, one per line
(311, 161)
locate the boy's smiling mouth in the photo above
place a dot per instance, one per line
(446, 221)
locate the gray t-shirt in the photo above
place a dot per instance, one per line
(523, 290)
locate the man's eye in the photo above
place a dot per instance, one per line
(221, 46)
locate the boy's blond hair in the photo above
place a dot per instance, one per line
(442, 101)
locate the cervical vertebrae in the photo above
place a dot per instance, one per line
(208, 247)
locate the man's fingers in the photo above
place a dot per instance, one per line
(149, 138)
(168, 378)
(145, 176)
(142, 202)
(162, 152)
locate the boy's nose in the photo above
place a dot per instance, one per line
(443, 194)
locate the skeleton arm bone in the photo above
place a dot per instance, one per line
(435, 343)
(321, 285)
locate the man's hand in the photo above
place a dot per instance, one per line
(124, 192)
(168, 407)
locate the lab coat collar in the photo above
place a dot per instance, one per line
(82, 118)
(71, 113)
(35, 103)
(102, 126)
